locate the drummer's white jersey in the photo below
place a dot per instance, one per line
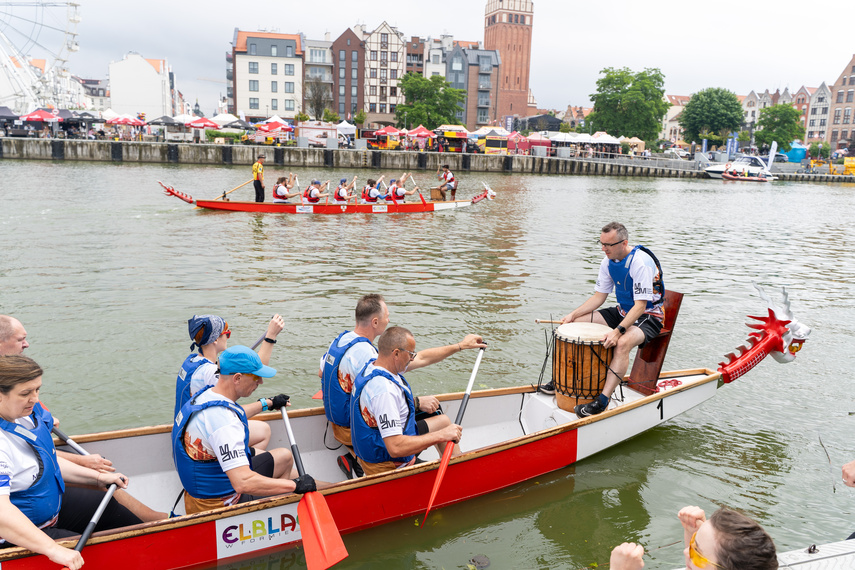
(643, 271)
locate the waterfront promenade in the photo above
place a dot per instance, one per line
(215, 154)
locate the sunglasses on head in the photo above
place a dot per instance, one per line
(699, 559)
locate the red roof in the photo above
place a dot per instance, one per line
(241, 39)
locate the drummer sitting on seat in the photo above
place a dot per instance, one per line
(636, 278)
(390, 426)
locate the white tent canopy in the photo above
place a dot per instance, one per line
(565, 137)
(275, 119)
(345, 128)
(224, 119)
(109, 114)
(183, 118)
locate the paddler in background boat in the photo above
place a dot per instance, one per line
(728, 540)
(211, 334)
(390, 426)
(371, 193)
(38, 501)
(281, 193)
(448, 182)
(849, 480)
(636, 278)
(314, 192)
(398, 191)
(13, 341)
(349, 353)
(258, 178)
(212, 426)
(342, 194)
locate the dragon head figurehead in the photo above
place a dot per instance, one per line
(778, 334)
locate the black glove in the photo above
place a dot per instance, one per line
(279, 401)
(305, 484)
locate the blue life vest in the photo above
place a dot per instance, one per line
(336, 399)
(624, 286)
(41, 502)
(367, 442)
(203, 479)
(182, 383)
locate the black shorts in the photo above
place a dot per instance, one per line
(262, 463)
(421, 424)
(648, 324)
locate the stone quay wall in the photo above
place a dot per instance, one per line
(215, 154)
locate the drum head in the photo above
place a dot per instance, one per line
(585, 332)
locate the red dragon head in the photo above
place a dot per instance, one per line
(778, 334)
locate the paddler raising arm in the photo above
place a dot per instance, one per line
(342, 193)
(314, 192)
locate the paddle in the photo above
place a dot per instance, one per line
(449, 446)
(224, 194)
(544, 321)
(321, 538)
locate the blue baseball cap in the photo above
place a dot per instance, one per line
(343, 180)
(244, 360)
(391, 181)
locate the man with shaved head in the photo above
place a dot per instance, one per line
(13, 337)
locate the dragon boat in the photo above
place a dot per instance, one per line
(510, 435)
(391, 206)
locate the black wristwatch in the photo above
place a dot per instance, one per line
(620, 329)
(270, 340)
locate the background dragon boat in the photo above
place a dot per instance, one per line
(327, 207)
(510, 435)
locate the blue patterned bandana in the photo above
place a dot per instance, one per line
(212, 325)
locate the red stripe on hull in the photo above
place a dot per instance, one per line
(271, 208)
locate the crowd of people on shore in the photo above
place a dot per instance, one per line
(372, 192)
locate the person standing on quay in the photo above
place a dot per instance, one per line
(258, 178)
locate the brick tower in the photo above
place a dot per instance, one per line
(507, 28)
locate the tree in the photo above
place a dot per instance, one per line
(779, 123)
(629, 104)
(712, 110)
(318, 97)
(816, 151)
(359, 117)
(331, 116)
(429, 101)
(301, 117)
(564, 128)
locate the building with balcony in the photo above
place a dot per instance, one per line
(671, 129)
(318, 76)
(416, 56)
(842, 129)
(348, 55)
(436, 50)
(813, 104)
(507, 29)
(140, 85)
(385, 64)
(267, 74)
(476, 71)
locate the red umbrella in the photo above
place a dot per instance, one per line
(275, 126)
(420, 132)
(41, 116)
(390, 130)
(203, 123)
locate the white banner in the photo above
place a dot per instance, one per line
(254, 531)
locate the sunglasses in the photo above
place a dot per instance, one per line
(699, 559)
(228, 333)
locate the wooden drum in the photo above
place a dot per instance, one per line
(580, 363)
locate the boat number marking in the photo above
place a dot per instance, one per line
(379, 208)
(661, 407)
(305, 209)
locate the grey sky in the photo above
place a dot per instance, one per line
(757, 45)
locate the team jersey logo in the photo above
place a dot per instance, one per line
(368, 417)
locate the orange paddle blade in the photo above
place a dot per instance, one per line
(319, 395)
(321, 539)
(443, 465)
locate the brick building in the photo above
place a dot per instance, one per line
(508, 29)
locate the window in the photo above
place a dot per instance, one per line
(457, 63)
(274, 87)
(483, 116)
(822, 122)
(373, 55)
(341, 72)
(317, 56)
(341, 90)
(354, 56)
(274, 69)
(372, 73)
(392, 108)
(837, 113)
(751, 103)
(393, 92)
(289, 87)
(253, 84)
(348, 41)
(274, 51)
(289, 51)
(382, 107)
(372, 90)
(341, 55)
(341, 109)
(844, 135)
(253, 102)
(274, 104)
(812, 123)
(820, 99)
(393, 73)
(847, 115)
(384, 57)
(834, 136)
(516, 18)
(354, 74)
(810, 134)
(253, 67)
(434, 58)
(393, 56)
(353, 91)
(383, 74)
(289, 104)
(252, 51)
(372, 107)
(850, 95)
(289, 69)
(522, 19)
(383, 92)
(823, 111)
(839, 97)
(384, 38)
(813, 111)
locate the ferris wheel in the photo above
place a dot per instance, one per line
(36, 39)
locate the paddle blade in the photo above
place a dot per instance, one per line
(319, 395)
(321, 539)
(443, 465)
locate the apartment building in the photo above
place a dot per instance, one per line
(416, 56)
(318, 76)
(140, 85)
(267, 74)
(842, 129)
(385, 65)
(348, 53)
(476, 71)
(816, 112)
(671, 128)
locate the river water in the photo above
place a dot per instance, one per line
(104, 271)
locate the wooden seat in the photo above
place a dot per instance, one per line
(648, 360)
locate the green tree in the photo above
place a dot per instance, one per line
(779, 123)
(629, 104)
(331, 116)
(301, 117)
(564, 128)
(713, 110)
(429, 101)
(359, 118)
(816, 151)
